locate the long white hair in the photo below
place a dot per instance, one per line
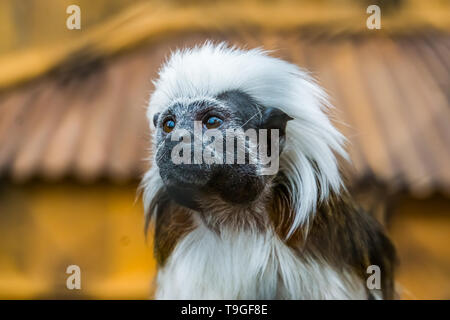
(308, 161)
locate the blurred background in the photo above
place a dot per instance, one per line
(74, 138)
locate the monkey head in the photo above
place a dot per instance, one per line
(218, 146)
(204, 92)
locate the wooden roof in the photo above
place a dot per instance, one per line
(86, 119)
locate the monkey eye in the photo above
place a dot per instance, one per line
(168, 125)
(213, 122)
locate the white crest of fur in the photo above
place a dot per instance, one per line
(308, 160)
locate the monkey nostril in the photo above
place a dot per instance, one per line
(213, 122)
(168, 125)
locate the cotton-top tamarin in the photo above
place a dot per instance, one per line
(226, 229)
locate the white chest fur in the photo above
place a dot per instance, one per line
(248, 265)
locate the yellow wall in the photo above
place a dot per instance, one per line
(31, 23)
(46, 227)
(34, 37)
(420, 229)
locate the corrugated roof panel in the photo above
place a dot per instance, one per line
(391, 98)
(388, 105)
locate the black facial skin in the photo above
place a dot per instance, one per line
(188, 184)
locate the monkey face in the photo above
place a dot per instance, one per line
(218, 147)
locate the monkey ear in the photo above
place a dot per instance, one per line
(155, 118)
(273, 118)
